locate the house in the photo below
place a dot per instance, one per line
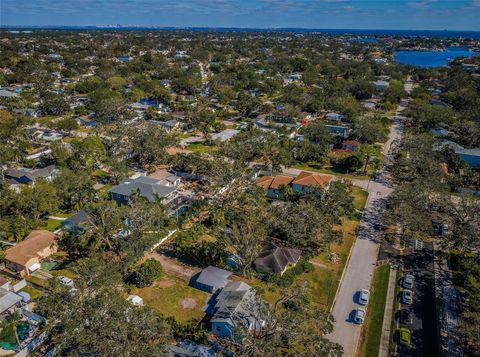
(210, 279)
(306, 180)
(76, 223)
(351, 145)
(8, 300)
(276, 259)
(26, 176)
(235, 304)
(149, 188)
(5, 93)
(470, 156)
(25, 256)
(334, 116)
(225, 135)
(169, 124)
(273, 184)
(338, 130)
(381, 85)
(188, 348)
(166, 178)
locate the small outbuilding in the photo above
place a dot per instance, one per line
(210, 279)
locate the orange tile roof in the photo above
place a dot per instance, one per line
(274, 181)
(312, 179)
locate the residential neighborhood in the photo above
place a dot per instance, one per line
(228, 192)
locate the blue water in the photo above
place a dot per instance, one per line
(431, 59)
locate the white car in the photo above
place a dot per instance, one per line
(363, 298)
(359, 316)
(66, 281)
(408, 281)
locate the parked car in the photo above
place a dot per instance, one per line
(405, 317)
(408, 281)
(359, 316)
(65, 281)
(407, 297)
(363, 298)
(404, 337)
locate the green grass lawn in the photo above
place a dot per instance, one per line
(171, 296)
(376, 307)
(325, 277)
(330, 170)
(100, 173)
(36, 281)
(396, 306)
(52, 224)
(359, 197)
(7, 335)
(201, 148)
(34, 293)
(63, 272)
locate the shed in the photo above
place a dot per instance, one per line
(210, 279)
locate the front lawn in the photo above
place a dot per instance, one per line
(359, 198)
(34, 293)
(201, 148)
(325, 277)
(171, 296)
(372, 329)
(52, 224)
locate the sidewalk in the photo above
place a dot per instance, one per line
(387, 317)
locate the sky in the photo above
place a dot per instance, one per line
(320, 14)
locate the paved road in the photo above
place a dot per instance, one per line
(359, 270)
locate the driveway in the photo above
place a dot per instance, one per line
(174, 266)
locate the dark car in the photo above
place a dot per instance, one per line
(405, 317)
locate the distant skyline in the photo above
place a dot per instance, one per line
(333, 14)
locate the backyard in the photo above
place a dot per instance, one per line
(171, 296)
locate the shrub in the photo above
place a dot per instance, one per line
(147, 273)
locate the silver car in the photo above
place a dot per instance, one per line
(407, 297)
(363, 298)
(359, 316)
(408, 281)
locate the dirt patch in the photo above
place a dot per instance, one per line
(189, 303)
(165, 283)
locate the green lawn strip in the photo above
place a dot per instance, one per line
(63, 272)
(396, 307)
(169, 293)
(330, 171)
(359, 198)
(375, 311)
(325, 276)
(7, 335)
(36, 281)
(52, 224)
(34, 293)
(202, 148)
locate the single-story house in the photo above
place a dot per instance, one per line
(8, 299)
(149, 188)
(339, 130)
(470, 156)
(169, 124)
(334, 116)
(25, 256)
(5, 93)
(306, 180)
(233, 306)
(76, 222)
(273, 184)
(225, 135)
(276, 259)
(210, 279)
(26, 176)
(188, 348)
(351, 145)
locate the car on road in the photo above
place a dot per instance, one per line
(404, 337)
(408, 281)
(407, 297)
(359, 316)
(405, 316)
(363, 297)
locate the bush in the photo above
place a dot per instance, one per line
(147, 273)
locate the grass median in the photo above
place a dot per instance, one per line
(372, 335)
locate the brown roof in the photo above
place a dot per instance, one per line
(27, 249)
(274, 181)
(352, 142)
(312, 179)
(276, 258)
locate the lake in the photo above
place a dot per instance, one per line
(431, 59)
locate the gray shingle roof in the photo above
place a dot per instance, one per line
(8, 299)
(29, 173)
(277, 258)
(233, 302)
(213, 276)
(149, 188)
